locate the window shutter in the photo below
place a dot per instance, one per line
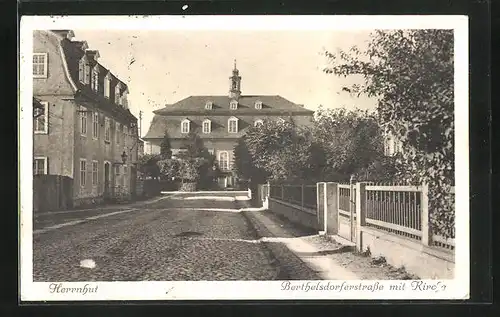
(47, 123)
(81, 71)
(47, 165)
(87, 73)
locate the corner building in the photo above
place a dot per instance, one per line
(85, 129)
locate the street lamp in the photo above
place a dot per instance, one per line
(124, 157)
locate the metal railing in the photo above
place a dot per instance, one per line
(303, 195)
(398, 209)
(401, 210)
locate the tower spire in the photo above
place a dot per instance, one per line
(235, 83)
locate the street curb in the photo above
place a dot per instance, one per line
(335, 271)
(273, 260)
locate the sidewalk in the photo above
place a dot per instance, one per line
(323, 255)
(108, 206)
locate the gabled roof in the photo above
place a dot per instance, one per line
(220, 105)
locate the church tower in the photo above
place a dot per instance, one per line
(235, 83)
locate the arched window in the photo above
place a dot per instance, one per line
(207, 126)
(208, 105)
(185, 126)
(258, 105)
(233, 105)
(258, 123)
(224, 160)
(232, 125)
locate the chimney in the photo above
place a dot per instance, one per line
(93, 54)
(65, 34)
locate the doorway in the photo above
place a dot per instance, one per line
(106, 179)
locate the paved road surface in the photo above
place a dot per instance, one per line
(176, 238)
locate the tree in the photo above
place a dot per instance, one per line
(147, 165)
(283, 151)
(243, 166)
(169, 169)
(196, 162)
(165, 147)
(351, 140)
(410, 73)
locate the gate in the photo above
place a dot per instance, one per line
(347, 211)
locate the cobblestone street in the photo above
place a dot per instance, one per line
(183, 237)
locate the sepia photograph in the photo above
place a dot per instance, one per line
(206, 157)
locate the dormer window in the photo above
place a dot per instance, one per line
(107, 85)
(117, 94)
(185, 125)
(208, 105)
(233, 105)
(258, 105)
(84, 71)
(95, 78)
(207, 126)
(258, 123)
(232, 125)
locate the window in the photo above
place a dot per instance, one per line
(232, 125)
(117, 174)
(211, 151)
(258, 123)
(207, 126)
(233, 105)
(95, 79)
(40, 65)
(258, 105)
(84, 71)
(224, 160)
(40, 165)
(117, 95)
(185, 126)
(83, 122)
(107, 86)
(95, 125)
(208, 105)
(41, 123)
(107, 130)
(83, 172)
(95, 170)
(118, 127)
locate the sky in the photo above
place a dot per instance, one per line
(162, 67)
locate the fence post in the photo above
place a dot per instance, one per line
(360, 214)
(320, 207)
(352, 224)
(282, 193)
(424, 205)
(302, 195)
(331, 208)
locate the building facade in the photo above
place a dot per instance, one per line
(220, 120)
(84, 129)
